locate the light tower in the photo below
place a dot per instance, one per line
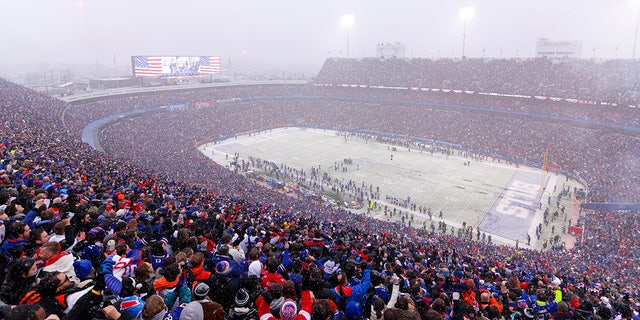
(347, 21)
(465, 14)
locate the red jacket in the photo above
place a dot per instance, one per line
(200, 273)
(270, 279)
(264, 311)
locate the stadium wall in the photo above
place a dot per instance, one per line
(612, 206)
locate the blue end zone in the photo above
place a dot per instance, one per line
(511, 214)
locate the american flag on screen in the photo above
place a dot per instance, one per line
(144, 66)
(209, 65)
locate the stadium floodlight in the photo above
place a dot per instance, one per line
(347, 21)
(465, 14)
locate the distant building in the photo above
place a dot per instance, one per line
(558, 49)
(390, 50)
(113, 83)
(62, 90)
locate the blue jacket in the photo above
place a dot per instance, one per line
(544, 310)
(360, 290)
(29, 217)
(13, 248)
(354, 309)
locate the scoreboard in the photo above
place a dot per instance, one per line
(170, 66)
(569, 49)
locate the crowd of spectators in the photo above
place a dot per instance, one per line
(97, 108)
(601, 156)
(609, 80)
(152, 229)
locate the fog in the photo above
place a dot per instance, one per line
(290, 36)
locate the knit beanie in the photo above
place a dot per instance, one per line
(192, 311)
(200, 291)
(289, 310)
(242, 298)
(82, 268)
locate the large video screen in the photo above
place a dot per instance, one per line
(155, 66)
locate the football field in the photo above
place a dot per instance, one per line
(502, 200)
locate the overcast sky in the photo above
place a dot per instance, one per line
(299, 34)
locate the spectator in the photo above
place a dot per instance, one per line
(289, 309)
(211, 309)
(132, 304)
(379, 305)
(197, 267)
(57, 260)
(255, 266)
(243, 308)
(14, 246)
(59, 230)
(155, 308)
(46, 293)
(30, 312)
(20, 279)
(272, 277)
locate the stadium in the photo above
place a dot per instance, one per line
(151, 174)
(232, 161)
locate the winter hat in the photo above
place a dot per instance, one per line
(107, 223)
(330, 267)
(82, 268)
(192, 311)
(529, 313)
(200, 291)
(276, 304)
(289, 310)
(304, 254)
(153, 306)
(242, 298)
(223, 267)
(95, 230)
(121, 213)
(111, 245)
(129, 287)
(255, 269)
(23, 265)
(203, 246)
